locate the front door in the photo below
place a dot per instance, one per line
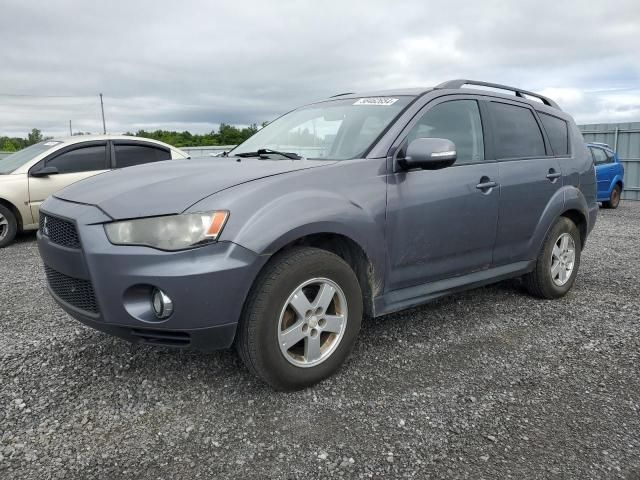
(73, 163)
(604, 171)
(442, 223)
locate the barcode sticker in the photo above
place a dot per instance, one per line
(381, 101)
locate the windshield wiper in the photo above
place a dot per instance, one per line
(267, 151)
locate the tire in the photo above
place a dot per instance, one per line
(268, 313)
(8, 226)
(542, 282)
(614, 200)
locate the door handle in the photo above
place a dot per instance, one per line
(552, 175)
(485, 184)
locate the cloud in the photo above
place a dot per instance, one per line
(191, 65)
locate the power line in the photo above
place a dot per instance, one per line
(43, 96)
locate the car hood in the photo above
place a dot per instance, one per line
(171, 187)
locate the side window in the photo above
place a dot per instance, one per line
(558, 133)
(610, 158)
(458, 121)
(516, 132)
(600, 157)
(130, 155)
(83, 159)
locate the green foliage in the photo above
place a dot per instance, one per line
(13, 144)
(6, 145)
(226, 135)
(34, 137)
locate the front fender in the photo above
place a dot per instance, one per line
(301, 213)
(346, 198)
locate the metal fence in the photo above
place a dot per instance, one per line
(624, 138)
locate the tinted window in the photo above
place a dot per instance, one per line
(557, 132)
(84, 159)
(458, 121)
(516, 132)
(130, 155)
(600, 156)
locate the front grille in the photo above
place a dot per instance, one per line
(59, 231)
(74, 291)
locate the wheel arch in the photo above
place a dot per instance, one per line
(341, 244)
(567, 202)
(15, 212)
(580, 220)
(617, 180)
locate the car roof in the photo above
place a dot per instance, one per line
(537, 101)
(604, 146)
(91, 138)
(413, 92)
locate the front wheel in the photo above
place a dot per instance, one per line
(557, 264)
(301, 318)
(614, 199)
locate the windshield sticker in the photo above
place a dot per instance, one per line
(49, 144)
(382, 101)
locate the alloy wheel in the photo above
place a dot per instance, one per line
(4, 226)
(312, 322)
(563, 258)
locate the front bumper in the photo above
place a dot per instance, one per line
(208, 285)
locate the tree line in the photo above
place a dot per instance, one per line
(225, 135)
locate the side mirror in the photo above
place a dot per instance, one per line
(429, 154)
(45, 172)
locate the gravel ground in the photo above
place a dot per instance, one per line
(487, 384)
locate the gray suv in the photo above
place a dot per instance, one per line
(358, 205)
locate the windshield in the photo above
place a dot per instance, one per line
(16, 160)
(338, 129)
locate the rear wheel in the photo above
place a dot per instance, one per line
(614, 199)
(8, 226)
(301, 318)
(557, 264)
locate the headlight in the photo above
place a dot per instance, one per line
(171, 232)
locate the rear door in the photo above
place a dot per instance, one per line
(131, 153)
(442, 223)
(74, 163)
(529, 176)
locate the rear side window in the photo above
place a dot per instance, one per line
(516, 132)
(557, 132)
(83, 159)
(600, 157)
(130, 155)
(458, 121)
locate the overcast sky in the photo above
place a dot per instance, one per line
(190, 65)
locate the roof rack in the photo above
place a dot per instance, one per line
(341, 94)
(518, 91)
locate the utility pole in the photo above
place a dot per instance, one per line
(104, 126)
(70, 131)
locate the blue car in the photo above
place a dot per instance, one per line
(609, 173)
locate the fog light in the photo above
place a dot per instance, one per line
(162, 304)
